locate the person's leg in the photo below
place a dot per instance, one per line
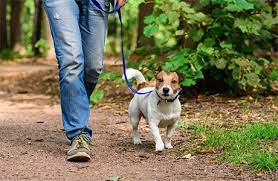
(93, 31)
(64, 19)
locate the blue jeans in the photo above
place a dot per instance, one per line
(78, 29)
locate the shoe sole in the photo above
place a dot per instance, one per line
(79, 157)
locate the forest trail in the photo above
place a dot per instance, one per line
(33, 147)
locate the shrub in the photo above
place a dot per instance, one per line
(226, 37)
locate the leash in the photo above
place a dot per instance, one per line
(117, 9)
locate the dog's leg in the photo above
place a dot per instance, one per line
(169, 134)
(134, 120)
(135, 115)
(135, 131)
(159, 145)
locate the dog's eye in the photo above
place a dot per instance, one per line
(174, 81)
(160, 80)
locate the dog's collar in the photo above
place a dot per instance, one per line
(168, 100)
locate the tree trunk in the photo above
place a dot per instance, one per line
(37, 26)
(3, 25)
(47, 36)
(16, 25)
(145, 9)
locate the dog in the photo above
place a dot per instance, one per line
(161, 108)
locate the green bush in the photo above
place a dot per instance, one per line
(225, 37)
(8, 54)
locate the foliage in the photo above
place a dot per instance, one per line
(98, 93)
(130, 24)
(252, 144)
(42, 46)
(225, 36)
(274, 75)
(27, 18)
(96, 96)
(8, 54)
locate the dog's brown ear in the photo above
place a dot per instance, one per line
(181, 77)
(159, 69)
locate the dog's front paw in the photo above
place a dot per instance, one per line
(159, 147)
(168, 146)
(137, 141)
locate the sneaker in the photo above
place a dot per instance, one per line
(79, 150)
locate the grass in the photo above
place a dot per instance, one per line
(255, 145)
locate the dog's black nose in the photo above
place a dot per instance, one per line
(166, 90)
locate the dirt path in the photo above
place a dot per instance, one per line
(33, 147)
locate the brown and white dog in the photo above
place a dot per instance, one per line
(161, 108)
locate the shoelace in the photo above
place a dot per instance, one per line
(80, 140)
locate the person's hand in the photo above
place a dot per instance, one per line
(121, 2)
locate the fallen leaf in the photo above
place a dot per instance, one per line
(114, 178)
(243, 162)
(260, 174)
(187, 156)
(231, 101)
(106, 107)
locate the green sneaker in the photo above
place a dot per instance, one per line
(79, 150)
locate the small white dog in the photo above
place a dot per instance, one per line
(161, 108)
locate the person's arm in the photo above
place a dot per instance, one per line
(121, 2)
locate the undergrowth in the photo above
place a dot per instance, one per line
(254, 145)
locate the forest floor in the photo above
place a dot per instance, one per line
(33, 145)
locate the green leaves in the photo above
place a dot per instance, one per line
(177, 60)
(226, 44)
(96, 96)
(221, 63)
(196, 34)
(150, 30)
(196, 18)
(224, 35)
(206, 47)
(239, 5)
(274, 75)
(187, 62)
(149, 19)
(162, 18)
(248, 26)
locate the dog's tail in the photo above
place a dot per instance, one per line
(133, 73)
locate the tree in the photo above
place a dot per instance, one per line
(3, 25)
(37, 26)
(16, 25)
(145, 9)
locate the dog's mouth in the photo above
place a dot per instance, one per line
(165, 94)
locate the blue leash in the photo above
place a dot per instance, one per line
(117, 9)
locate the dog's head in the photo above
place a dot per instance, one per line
(168, 83)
